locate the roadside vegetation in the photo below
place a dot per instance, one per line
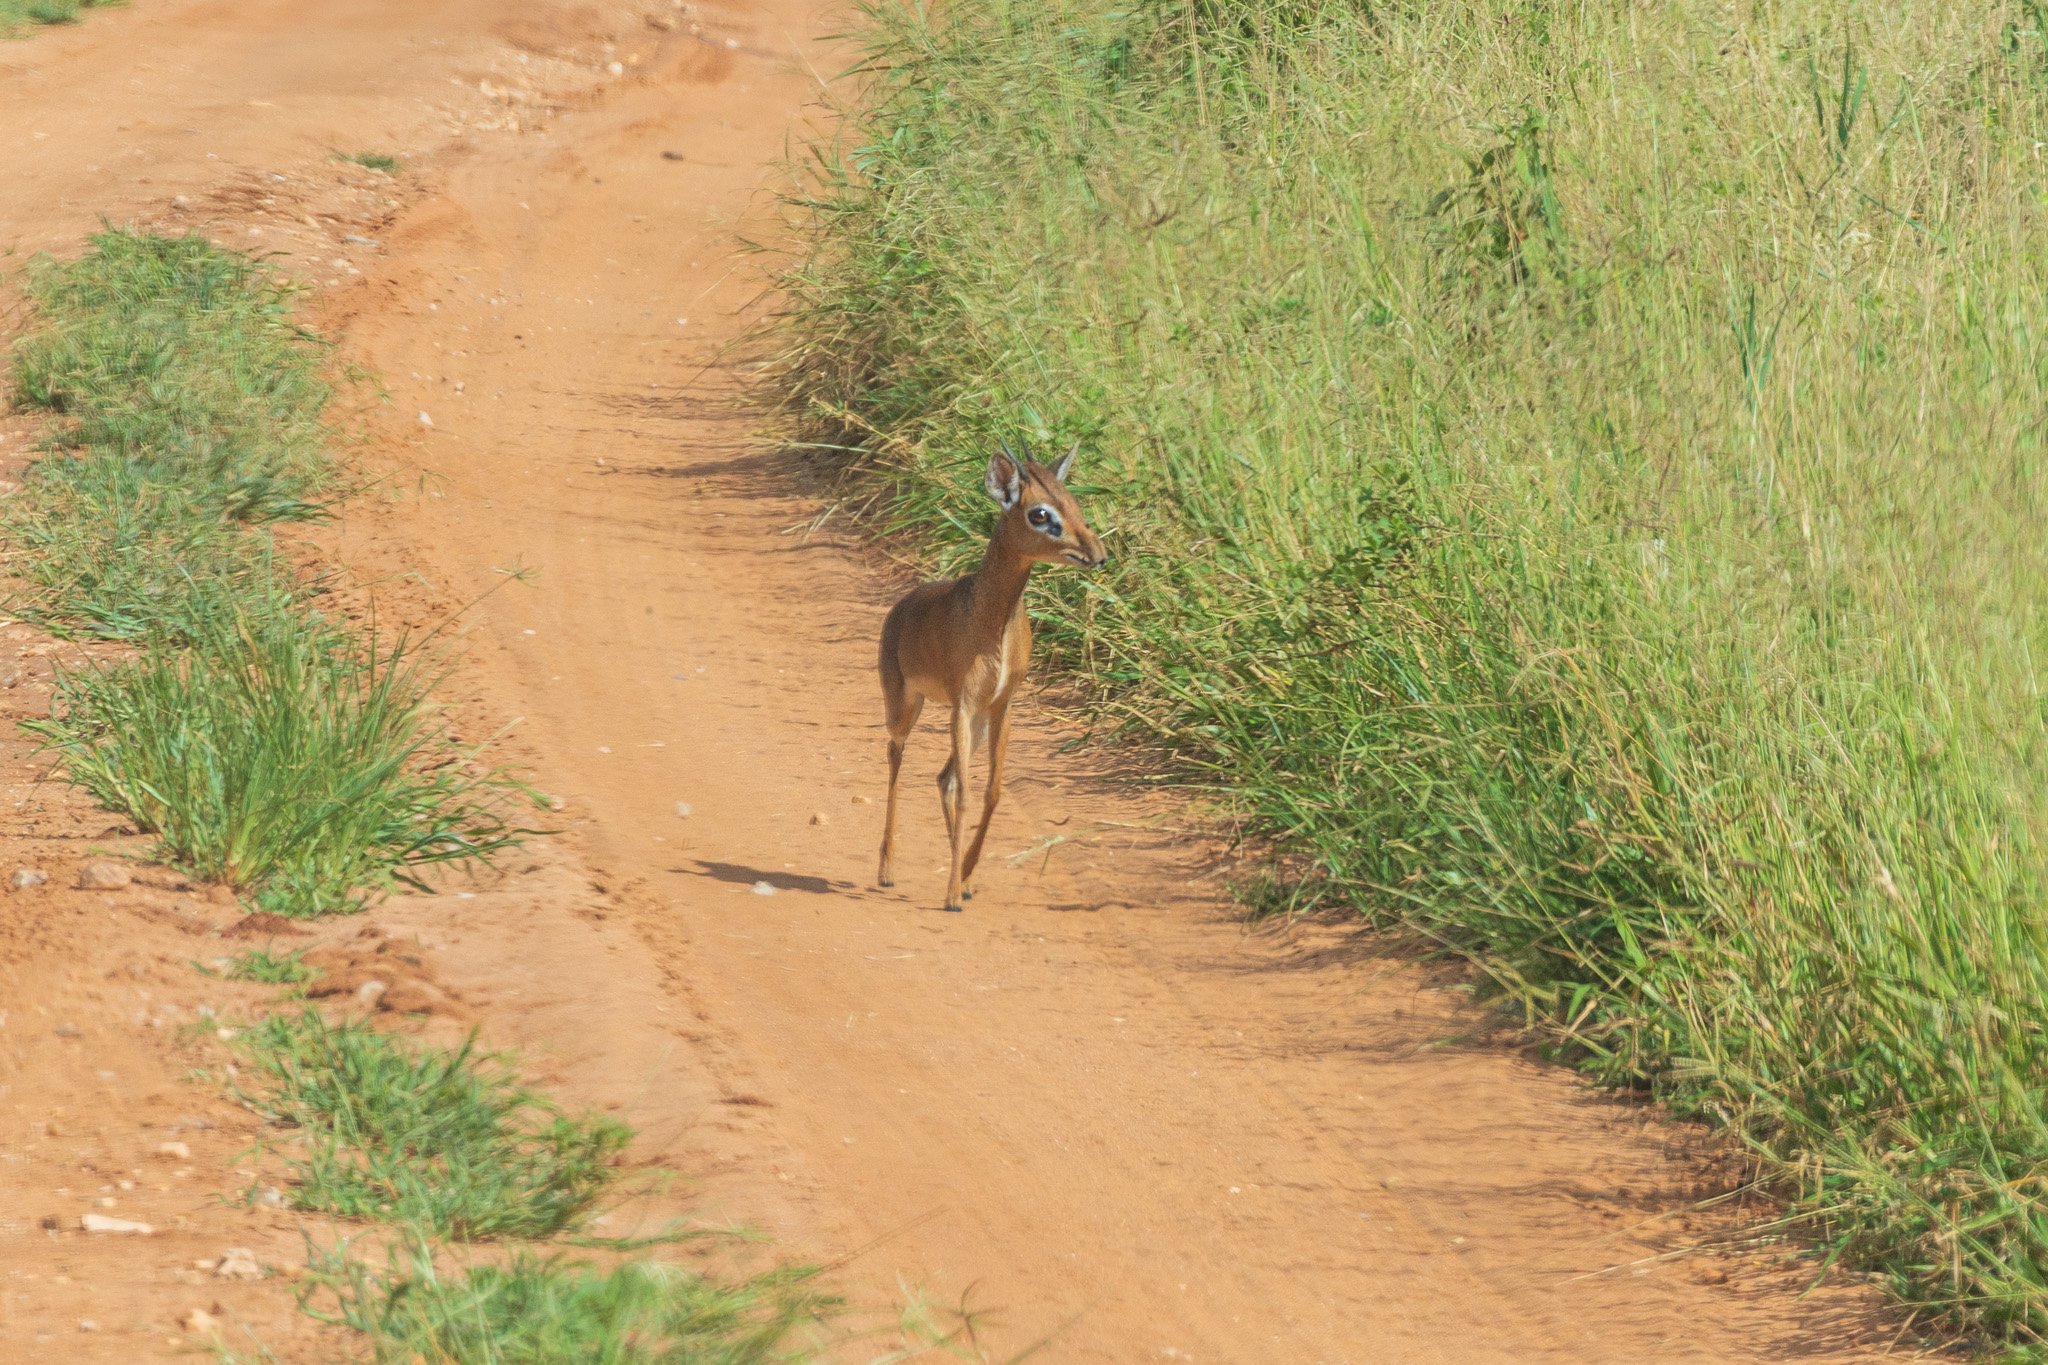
(447, 1143)
(371, 161)
(1576, 475)
(268, 742)
(266, 966)
(273, 742)
(17, 16)
(448, 1150)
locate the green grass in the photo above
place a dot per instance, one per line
(268, 745)
(18, 15)
(449, 1147)
(1576, 483)
(370, 161)
(187, 408)
(179, 362)
(269, 967)
(446, 1143)
(275, 748)
(538, 1309)
(102, 554)
(279, 756)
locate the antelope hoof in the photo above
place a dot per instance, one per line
(965, 894)
(956, 907)
(885, 881)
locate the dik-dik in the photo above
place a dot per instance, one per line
(966, 644)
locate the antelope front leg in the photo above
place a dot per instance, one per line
(998, 750)
(882, 877)
(903, 714)
(953, 792)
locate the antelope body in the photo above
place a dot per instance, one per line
(966, 643)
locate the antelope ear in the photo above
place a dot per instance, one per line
(1004, 480)
(1059, 471)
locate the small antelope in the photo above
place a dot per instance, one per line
(967, 642)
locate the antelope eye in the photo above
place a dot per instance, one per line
(1039, 516)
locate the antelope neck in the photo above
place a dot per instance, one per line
(999, 582)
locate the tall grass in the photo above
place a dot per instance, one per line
(1576, 477)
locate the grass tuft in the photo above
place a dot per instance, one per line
(269, 747)
(370, 161)
(1574, 483)
(18, 15)
(270, 968)
(447, 1143)
(175, 362)
(282, 758)
(537, 1309)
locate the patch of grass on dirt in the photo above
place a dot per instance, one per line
(370, 161)
(272, 748)
(104, 554)
(297, 763)
(179, 363)
(268, 746)
(18, 15)
(538, 1309)
(1576, 483)
(447, 1143)
(188, 408)
(270, 968)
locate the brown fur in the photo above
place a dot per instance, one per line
(966, 643)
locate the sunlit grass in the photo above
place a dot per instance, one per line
(268, 746)
(19, 16)
(448, 1143)
(539, 1308)
(1575, 482)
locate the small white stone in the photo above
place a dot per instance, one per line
(763, 889)
(426, 421)
(238, 1263)
(102, 875)
(682, 810)
(99, 1222)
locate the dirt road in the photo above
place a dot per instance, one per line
(1091, 1108)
